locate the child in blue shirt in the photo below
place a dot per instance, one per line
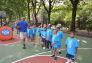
(55, 44)
(60, 35)
(33, 32)
(43, 36)
(71, 48)
(49, 33)
(29, 32)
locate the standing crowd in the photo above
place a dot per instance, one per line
(51, 37)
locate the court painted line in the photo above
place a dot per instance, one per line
(36, 56)
(39, 54)
(84, 41)
(85, 48)
(10, 43)
(80, 48)
(31, 56)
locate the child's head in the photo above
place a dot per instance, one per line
(44, 25)
(72, 34)
(55, 30)
(33, 25)
(49, 26)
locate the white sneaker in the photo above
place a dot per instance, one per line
(43, 47)
(66, 62)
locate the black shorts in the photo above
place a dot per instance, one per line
(69, 56)
(48, 41)
(43, 40)
(40, 34)
(33, 35)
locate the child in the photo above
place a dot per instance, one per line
(49, 33)
(33, 33)
(43, 36)
(60, 35)
(55, 44)
(71, 48)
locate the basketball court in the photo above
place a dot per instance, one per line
(11, 52)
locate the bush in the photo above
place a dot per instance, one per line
(89, 27)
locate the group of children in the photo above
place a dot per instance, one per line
(52, 40)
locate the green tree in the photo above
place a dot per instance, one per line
(74, 9)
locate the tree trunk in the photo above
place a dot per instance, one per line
(28, 1)
(48, 18)
(36, 20)
(74, 9)
(1, 20)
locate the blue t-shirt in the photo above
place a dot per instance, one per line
(40, 30)
(30, 32)
(71, 43)
(60, 35)
(55, 39)
(49, 33)
(23, 25)
(34, 30)
(43, 32)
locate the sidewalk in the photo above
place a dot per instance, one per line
(80, 32)
(84, 33)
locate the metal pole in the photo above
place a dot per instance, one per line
(1, 20)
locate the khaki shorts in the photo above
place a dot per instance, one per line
(23, 35)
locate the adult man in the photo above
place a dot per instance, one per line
(22, 27)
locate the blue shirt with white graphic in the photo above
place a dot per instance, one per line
(60, 35)
(72, 44)
(43, 32)
(49, 33)
(55, 39)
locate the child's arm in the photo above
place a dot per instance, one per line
(77, 45)
(54, 43)
(76, 50)
(65, 47)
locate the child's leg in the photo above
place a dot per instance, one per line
(73, 60)
(49, 45)
(46, 43)
(53, 52)
(56, 52)
(70, 58)
(43, 40)
(34, 39)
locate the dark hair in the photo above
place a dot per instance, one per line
(72, 32)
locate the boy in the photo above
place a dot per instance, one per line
(22, 27)
(60, 35)
(49, 33)
(34, 34)
(29, 32)
(71, 48)
(43, 36)
(55, 44)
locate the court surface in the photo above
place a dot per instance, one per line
(11, 52)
